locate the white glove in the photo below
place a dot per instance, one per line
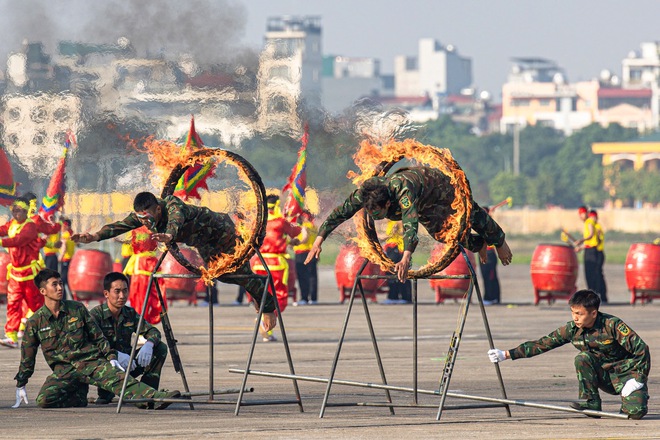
(630, 387)
(496, 355)
(21, 394)
(115, 363)
(123, 359)
(145, 353)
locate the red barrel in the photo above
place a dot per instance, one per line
(643, 272)
(181, 288)
(347, 264)
(4, 261)
(116, 266)
(451, 288)
(554, 270)
(87, 269)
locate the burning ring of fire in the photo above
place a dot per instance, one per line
(251, 236)
(376, 160)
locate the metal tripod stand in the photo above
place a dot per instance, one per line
(176, 359)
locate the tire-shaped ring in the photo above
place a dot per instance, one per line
(258, 231)
(463, 196)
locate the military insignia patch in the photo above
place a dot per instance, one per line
(405, 202)
(74, 319)
(128, 324)
(623, 329)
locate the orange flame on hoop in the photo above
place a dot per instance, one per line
(375, 160)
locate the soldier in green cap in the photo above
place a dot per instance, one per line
(612, 356)
(172, 220)
(118, 323)
(415, 195)
(75, 349)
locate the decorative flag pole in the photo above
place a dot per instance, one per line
(295, 199)
(53, 201)
(195, 177)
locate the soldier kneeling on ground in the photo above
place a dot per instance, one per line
(612, 356)
(119, 323)
(76, 350)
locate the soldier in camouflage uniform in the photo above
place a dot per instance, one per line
(76, 351)
(211, 233)
(118, 323)
(414, 195)
(612, 356)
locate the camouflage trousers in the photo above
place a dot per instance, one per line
(592, 377)
(70, 388)
(488, 231)
(255, 286)
(150, 374)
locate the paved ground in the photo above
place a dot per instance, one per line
(313, 332)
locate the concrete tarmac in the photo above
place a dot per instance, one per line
(313, 332)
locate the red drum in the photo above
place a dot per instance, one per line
(181, 288)
(451, 288)
(116, 266)
(4, 261)
(347, 264)
(643, 272)
(87, 269)
(554, 270)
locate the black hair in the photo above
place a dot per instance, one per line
(29, 196)
(44, 275)
(111, 278)
(272, 198)
(66, 221)
(144, 201)
(586, 298)
(374, 194)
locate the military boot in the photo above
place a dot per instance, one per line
(591, 404)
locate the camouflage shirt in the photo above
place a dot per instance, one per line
(622, 353)
(66, 341)
(119, 332)
(419, 195)
(211, 233)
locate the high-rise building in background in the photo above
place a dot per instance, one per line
(289, 69)
(347, 79)
(435, 70)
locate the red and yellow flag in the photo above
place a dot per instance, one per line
(195, 177)
(53, 201)
(295, 199)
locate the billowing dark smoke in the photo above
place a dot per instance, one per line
(210, 30)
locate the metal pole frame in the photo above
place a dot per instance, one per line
(451, 355)
(176, 360)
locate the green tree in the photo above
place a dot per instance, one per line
(507, 185)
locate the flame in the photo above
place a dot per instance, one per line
(166, 155)
(376, 160)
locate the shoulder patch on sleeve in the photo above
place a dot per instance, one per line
(404, 202)
(623, 329)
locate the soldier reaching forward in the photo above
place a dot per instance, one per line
(414, 195)
(172, 220)
(612, 356)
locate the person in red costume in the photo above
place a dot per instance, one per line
(21, 238)
(140, 267)
(279, 233)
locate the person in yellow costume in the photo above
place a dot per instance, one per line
(398, 292)
(307, 274)
(66, 254)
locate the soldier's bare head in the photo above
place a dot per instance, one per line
(44, 275)
(584, 308)
(376, 198)
(115, 291)
(147, 209)
(586, 298)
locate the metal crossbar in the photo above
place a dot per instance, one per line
(176, 358)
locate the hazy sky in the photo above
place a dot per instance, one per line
(582, 36)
